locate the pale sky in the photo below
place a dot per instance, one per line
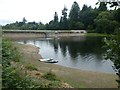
(35, 10)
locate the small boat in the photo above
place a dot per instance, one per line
(52, 61)
(49, 60)
(44, 60)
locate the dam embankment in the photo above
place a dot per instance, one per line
(41, 33)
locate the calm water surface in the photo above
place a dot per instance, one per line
(84, 53)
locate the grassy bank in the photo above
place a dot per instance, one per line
(74, 77)
(96, 34)
(19, 72)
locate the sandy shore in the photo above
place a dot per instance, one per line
(75, 77)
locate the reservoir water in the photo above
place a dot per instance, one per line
(85, 53)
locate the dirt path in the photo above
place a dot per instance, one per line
(75, 77)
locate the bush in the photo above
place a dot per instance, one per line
(50, 76)
(113, 52)
(11, 76)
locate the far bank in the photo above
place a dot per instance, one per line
(18, 34)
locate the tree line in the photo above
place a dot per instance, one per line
(100, 20)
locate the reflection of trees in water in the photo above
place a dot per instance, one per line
(63, 47)
(55, 45)
(72, 48)
(62, 44)
(92, 45)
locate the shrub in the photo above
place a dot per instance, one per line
(113, 52)
(10, 76)
(50, 76)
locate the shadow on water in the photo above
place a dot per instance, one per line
(77, 52)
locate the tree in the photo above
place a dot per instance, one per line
(102, 6)
(41, 26)
(24, 20)
(87, 16)
(54, 24)
(74, 12)
(56, 18)
(113, 52)
(84, 8)
(105, 23)
(112, 43)
(74, 15)
(116, 15)
(79, 26)
(63, 20)
(61, 23)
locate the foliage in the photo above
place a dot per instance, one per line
(55, 22)
(74, 15)
(105, 23)
(12, 79)
(113, 52)
(9, 53)
(63, 25)
(98, 20)
(74, 12)
(79, 26)
(11, 76)
(30, 67)
(24, 26)
(24, 20)
(116, 15)
(102, 6)
(87, 16)
(54, 84)
(50, 76)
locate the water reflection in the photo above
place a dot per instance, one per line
(76, 47)
(77, 52)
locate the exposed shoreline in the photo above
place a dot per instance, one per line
(76, 77)
(40, 57)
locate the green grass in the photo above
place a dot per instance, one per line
(96, 34)
(31, 67)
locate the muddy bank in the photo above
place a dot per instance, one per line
(75, 77)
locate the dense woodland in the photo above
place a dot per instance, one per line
(100, 20)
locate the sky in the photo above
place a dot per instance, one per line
(36, 10)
